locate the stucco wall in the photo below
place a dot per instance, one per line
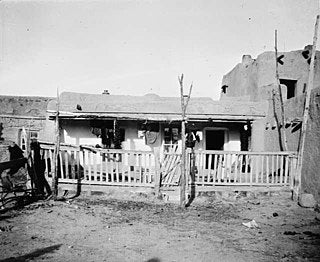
(79, 132)
(252, 77)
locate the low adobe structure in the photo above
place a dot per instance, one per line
(88, 118)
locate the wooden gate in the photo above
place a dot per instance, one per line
(170, 169)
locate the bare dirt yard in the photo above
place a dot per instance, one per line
(105, 228)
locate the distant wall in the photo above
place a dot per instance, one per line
(12, 127)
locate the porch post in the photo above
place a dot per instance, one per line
(56, 153)
(156, 151)
(184, 105)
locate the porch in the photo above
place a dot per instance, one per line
(207, 170)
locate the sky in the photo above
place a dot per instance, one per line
(140, 47)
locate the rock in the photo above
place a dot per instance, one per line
(275, 214)
(307, 200)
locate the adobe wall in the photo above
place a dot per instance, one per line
(310, 177)
(253, 77)
(266, 137)
(17, 112)
(12, 126)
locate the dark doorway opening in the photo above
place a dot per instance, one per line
(214, 141)
(291, 87)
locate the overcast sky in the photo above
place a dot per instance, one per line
(139, 47)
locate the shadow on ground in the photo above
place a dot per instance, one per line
(34, 254)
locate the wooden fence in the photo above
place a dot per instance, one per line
(97, 166)
(209, 168)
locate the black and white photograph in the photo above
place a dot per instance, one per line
(160, 130)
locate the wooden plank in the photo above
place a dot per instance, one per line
(78, 165)
(267, 170)
(61, 165)
(258, 167)
(215, 168)
(46, 171)
(117, 161)
(246, 158)
(251, 161)
(51, 162)
(111, 166)
(209, 168)
(241, 162)
(245, 152)
(203, 163)
(281, 169)
(66, 158)
(84, 164)
(101, 160)
(286, 170)
(277, 170)
(72, 164)
(236, 168)
(262, 169)
(129, 167)
(89, 153)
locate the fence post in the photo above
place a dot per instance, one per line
(156, 151)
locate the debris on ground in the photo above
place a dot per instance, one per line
(251, 224)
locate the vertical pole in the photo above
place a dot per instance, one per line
(157, 182)
(56, 152)
(183, 148)
(285, 144)
(184, 105)
(307, 105)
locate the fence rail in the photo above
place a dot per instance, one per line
(100, 166)
(242, 168)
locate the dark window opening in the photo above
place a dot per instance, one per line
(224, 89)
(291, 87)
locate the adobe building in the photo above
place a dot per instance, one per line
(26, 114)
(255, 80)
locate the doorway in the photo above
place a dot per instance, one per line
(215, 139)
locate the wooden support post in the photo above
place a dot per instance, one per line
(55, 178)
(157, 182)
(306, 108)
(184, 105)
(284, 143)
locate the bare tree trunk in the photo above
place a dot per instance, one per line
(281, 127)
(55, 178)
(184, 105)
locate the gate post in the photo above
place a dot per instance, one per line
(156, 151)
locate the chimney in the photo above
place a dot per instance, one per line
(246, 59)
(106, 92)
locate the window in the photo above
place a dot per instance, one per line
(291, 87)
(171, 137)
(224, 89)
(26, 136)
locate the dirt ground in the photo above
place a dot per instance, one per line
(102, 228)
